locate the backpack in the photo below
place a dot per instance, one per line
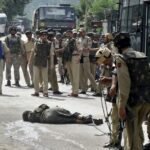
(139, 71)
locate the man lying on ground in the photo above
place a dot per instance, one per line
(57, 115)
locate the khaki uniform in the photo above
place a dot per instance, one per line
(133, 127)
(52, 77)
(6, 52)
(16, 49)
(41, 54)
(85, 72)
(29, 45)
(58, 45)
(24, 63)
(73, 67)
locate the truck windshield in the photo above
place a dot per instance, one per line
(56, 13)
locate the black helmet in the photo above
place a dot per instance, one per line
(122, 40)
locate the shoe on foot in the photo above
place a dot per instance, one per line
(8, 83)
(97, 94)
(35, 94)
(45, 94)
(17, 84)
(98, 121)
(108, 145)
(73, 95)
(82, 92)
(57, 92)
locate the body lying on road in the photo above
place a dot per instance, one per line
(57, 115)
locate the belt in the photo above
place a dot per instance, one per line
(85, 56)
(75, 54)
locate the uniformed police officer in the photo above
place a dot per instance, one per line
(85, 72)
(29, 45)
(133, 84)
(72, 55)
(104, 56)
(41, 55)
(52, 77)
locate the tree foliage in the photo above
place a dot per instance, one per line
(13, 7)
(103, 8)
(100, 8)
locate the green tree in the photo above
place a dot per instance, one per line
(13, 7)
(103, 8)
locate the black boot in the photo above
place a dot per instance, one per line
(8, 83)
(17, 83)
(62, 79)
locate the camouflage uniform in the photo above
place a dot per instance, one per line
(16, 49)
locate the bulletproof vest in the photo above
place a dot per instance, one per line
(41, 53)
(92, 53)
(71, 46)
(14, 44)
(1, 51)
(139, 71)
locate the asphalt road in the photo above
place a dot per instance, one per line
(18, 135)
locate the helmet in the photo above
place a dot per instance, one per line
(58, 34)
(13, 28)
(102, 54)
(122, 40)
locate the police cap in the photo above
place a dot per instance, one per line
(69, 31)
(81, 30)
(58, 34)
(43, 32)
(28, 32)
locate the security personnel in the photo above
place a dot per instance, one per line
(15, 45)
(133, 84)
(104, 56)
(72, 55)
(29, 45)
(95, 46)
(4, 56)
(52, 77)
(85, 72)
(41, 54)
(24, 63)
(58, 43)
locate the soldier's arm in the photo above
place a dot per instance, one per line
(52, 49)
(6, 52)
(124, 84)
(22, 47)
(32, 53)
